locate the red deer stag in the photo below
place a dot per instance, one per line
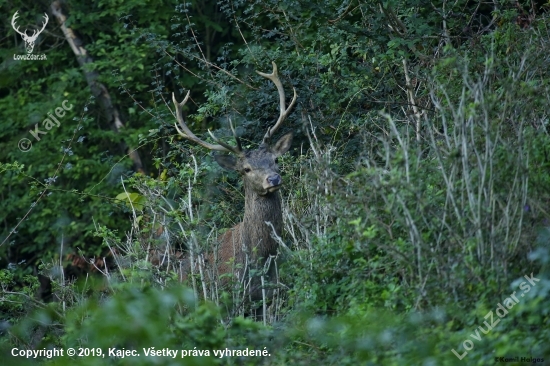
(250, 242)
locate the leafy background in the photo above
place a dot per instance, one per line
(417, 195)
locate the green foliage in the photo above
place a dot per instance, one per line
(416, 201)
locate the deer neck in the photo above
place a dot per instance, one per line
(258, 210)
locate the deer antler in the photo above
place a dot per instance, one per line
(13, 24)
(274, 76)
(35, 33)
(222, 146)
(43, 24)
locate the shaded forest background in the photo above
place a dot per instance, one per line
(416, 194)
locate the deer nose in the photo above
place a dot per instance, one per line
(274, 180)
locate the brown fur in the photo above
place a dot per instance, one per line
(250, 243)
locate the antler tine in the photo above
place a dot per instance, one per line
(233, 149)
(274, 77)
(222, 146)
(237, 139)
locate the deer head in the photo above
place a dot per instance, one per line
(251, 240)
(29, 40)
(257, 167)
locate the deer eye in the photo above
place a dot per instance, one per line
(247, 170)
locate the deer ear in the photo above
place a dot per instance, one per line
(226, 161)
(282, 145)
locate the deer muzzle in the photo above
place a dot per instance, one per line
(274, 181)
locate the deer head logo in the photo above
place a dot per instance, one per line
(29, 40)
